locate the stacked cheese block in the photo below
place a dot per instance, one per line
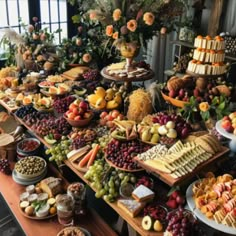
(208, 57)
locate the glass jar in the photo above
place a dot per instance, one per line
(65, 209)
(78, 192)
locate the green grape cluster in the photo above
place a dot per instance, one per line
(104, 140)
(107, 180)
(59, 151)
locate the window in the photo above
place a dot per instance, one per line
(52, 14)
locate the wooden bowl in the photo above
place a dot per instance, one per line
(79, 123)
(173, 101)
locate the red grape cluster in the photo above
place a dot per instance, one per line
(146, 181)
(181, 126)
(157, 212)
(121, 153)
(36, 117)
(56, 126)
(181, 222)
(5, 167)
(78, 143)
(61, 105)
(91, 75)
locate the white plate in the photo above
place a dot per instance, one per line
(223, 132)
(202, 217)
(28, 181)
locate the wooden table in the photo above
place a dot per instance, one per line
(11, 192)
(135, 223)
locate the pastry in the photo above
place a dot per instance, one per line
(130, 206)
(142, 193)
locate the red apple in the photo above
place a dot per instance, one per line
(75, 111)
(226, 123)
(67, 113)
(77, 118)
(103, 114)
(115, 113)
(109, 117)
(102, 122)
(81, 111)
(181, 93)
(172, 93)
(230, 129)
(84, 105)
(71, 116)
(72, 106)
(225, 118)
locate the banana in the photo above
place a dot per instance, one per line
(100, 91)
(112, 104)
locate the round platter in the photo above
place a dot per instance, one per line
(23, 181)
(173, 101)
(202, 217)
(149, 75)
(36, 217)
(203, 75)
(223, 132)
(123, 169)
(85, 231)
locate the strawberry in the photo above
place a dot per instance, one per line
(172, 204)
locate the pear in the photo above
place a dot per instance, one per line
(158, 226)
(146, 135)
(154, 129)
(155, 138)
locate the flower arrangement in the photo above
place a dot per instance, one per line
(195, 111)
(127, 20)
(33, 45)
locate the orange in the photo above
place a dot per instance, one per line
(52, 210)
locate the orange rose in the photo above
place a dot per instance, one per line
(109, 30)
(132, 25)
(116, 14)
(148, 18)
(204, 106)
(92, 15)
(87, 57)
(115, 35)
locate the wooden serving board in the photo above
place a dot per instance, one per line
(9, 108)
(123, 169)
(172, 181)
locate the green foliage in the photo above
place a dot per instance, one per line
(218, 108)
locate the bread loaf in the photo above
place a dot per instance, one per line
(175, 83)
(130, 206)
(52, 186)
